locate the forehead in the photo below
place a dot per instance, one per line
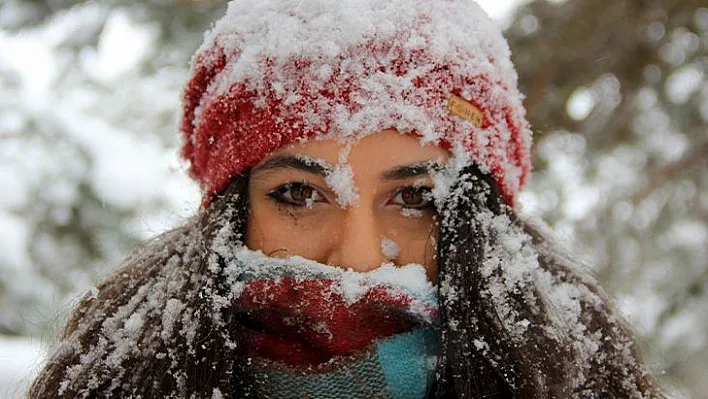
(377, 151)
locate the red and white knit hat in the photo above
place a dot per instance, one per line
(272, 72)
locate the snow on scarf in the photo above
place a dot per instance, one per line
(319, 331)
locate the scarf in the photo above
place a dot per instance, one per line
(316, 331)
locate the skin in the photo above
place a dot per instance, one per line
(293, 211)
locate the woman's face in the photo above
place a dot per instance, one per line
(294, 211)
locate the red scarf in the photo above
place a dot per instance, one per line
(308, 322)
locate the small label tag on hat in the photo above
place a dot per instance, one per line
(458, 106)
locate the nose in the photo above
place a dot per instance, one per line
(357, 245)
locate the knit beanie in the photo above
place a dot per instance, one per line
(275, 72)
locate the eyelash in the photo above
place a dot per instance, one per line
(280, 195)
(280, 192)
(426, 192)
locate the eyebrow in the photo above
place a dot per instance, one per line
(411, 170)
(293, 162)
(321, 169)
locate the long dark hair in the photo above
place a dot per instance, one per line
(531, 325)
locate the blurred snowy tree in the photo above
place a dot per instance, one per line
(89, 95)
(617, 94)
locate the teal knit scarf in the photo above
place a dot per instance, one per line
(397, 367)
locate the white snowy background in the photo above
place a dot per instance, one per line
(89, 99)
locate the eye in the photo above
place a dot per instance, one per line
(296, 194)
(413, 197)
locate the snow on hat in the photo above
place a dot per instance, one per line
(272, 72)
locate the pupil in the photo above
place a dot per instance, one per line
(301, 193)
(412, 196)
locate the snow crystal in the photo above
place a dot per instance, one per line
(448, 290)
(339, 178)
(170, 316)
(410, 279)
(480, 345)
(222, 245)
(411, 212)
(217, 394)
(341, 181)
(389, 248)
(134, 323)
(519, 258)
(432, 362)
(309, 203)
(322, 328)
(447, 176)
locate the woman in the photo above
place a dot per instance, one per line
(360, 163)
